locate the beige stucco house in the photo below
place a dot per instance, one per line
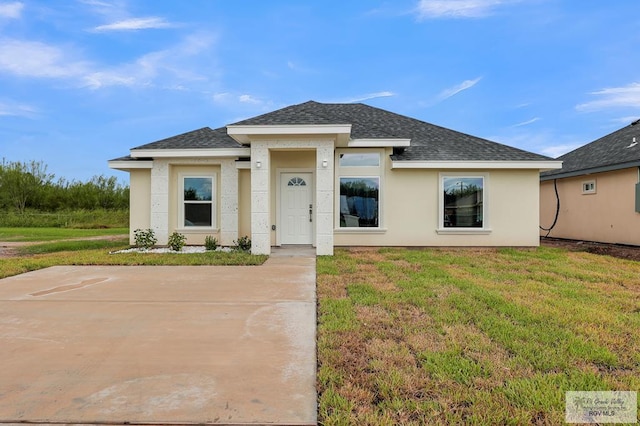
(335, 175)
(595, 196)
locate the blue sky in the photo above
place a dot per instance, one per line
(83, 81)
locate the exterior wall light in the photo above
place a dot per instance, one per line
(258, 164)
(325, 163)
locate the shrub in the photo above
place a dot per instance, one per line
(176, 241)
(210, 243)
(145, 238)
(243, 244)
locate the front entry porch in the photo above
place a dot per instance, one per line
(292, 194)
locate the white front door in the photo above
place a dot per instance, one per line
(296, 208)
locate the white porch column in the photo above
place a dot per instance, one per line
(260, 230)
(159, 220)
(324, 199)
(229, 202)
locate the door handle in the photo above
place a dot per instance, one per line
(310, 212)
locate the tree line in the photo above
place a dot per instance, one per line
(28, 185)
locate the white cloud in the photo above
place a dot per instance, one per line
(452, 91)
(626, 120)
(526, 123)
(11, 10)
(613, 97)
(375, 95)
(556, 151)
(248, 99)
(168, 68)
(427, 9)
(135, 24)
(36, 59)
(10, 108)
(361, 98)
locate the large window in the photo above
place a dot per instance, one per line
(463, 202)
(198, 201)
(359, 202)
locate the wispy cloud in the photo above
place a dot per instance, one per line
(434, 9)
(556, 151)
(362, 98)
(613, 97)
(11, 10)
(36, 59)
(452, 91)
(136, 24)
(526, 123)
(626, 120)
(167, 68)
(249, 99)
(10, 108)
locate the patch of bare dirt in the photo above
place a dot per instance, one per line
(614, 250)
(11, 248)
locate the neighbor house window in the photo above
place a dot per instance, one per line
(463, 202)
(198, 197)
(359, 202)
(589, 187)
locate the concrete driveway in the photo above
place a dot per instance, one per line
(228, 345)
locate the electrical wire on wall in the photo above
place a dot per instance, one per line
(555, 220)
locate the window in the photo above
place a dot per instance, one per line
(589, 187)
(198, 201)
(462, 202)
(365, 159)
(359, 202)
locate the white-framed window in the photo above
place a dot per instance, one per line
(589, 187)
(463, 202)
(359, 183)
(197, 201)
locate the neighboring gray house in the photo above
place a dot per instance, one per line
(333, 175)
(598, 191)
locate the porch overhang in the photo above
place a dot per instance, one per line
(244, 134)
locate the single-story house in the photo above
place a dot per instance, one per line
(595, 196)
(330, 175)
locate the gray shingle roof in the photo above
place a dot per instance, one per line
(428, 141)
(204, 138)
(610, 152)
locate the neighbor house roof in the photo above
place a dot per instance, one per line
(428, 142)
(618, 150)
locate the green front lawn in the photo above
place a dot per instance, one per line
(472, 336)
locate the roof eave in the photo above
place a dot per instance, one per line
(592, 170)
(379, 143)
(193, 152)
(126, 165)
(476, 165)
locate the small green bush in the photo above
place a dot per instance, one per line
(176, 241)
(145, 238)
(242, 244)
(210, 243)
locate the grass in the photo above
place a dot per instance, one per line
(51, 234)
(472, 336)
(59, 246)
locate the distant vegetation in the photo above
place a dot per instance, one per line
(32, 197)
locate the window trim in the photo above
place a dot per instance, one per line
(362, 172)
(485, 229)
(589, 191)
(181, 202)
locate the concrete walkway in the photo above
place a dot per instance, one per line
(159, 345)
